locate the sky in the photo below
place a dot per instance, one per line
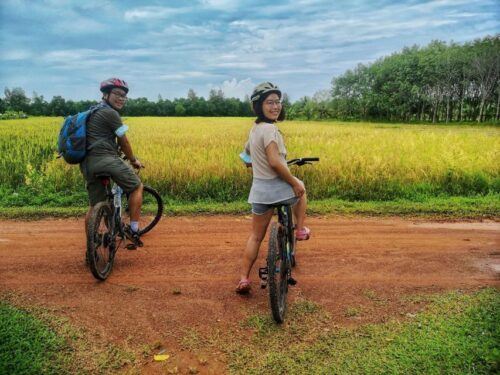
(55, 47)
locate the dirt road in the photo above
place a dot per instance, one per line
(184, 277)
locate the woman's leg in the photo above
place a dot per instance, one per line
(259, 228)
(299, 211)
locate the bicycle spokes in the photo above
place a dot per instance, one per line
(101, 241)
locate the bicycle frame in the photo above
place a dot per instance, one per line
(285, 218)
(114, 196)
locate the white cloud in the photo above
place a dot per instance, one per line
(234, 88)
(220, 4)
(151, 12)
(83, 54)
(70, 26)
(17, 54)
(241, 65)
(183, 75)
(190, 30)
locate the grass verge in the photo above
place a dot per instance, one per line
(35, 341)
(455, 334)
(451, 208)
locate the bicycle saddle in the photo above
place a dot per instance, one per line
(102, 175)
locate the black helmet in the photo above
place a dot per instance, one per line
(264, 88)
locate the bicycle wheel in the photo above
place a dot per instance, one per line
(277, 268)
(100, 241)
(293, 261)
(152, 209)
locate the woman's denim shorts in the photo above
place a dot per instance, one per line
(262, 208)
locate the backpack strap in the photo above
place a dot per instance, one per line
(92, 110)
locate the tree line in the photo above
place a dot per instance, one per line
(441, 82)
(437, 83)
(216, 105)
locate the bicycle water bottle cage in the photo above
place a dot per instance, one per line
(104, 177)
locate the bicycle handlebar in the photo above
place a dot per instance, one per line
(302, 161)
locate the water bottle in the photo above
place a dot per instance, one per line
(117, 192)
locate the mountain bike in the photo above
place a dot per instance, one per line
(107, 230)
(281, 256)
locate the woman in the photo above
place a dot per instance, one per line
(272, 181)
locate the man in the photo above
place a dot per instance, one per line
(105, 132)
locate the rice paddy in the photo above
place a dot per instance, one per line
(194, 159)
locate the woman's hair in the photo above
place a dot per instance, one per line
(257, 109)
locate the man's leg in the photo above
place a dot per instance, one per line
(135, 204)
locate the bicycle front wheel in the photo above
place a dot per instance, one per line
(101, 244)
(277, 268)
(152, 209)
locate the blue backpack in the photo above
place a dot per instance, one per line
(72, 142)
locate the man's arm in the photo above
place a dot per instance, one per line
(127, 150)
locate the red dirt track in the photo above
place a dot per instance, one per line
(184, 277)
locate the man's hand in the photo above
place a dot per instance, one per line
(137, 164)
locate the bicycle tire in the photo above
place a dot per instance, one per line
(277, 269)
(293, 261)
(152, 210)
(101, 246)
(153, 199)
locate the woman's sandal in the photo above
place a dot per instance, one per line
(303, 234)
(243, 286)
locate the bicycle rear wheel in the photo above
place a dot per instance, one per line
(152, 209)
(101, 244)
(277, 268)
(293, 262)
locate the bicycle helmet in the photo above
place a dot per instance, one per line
(111, 83)
(262, 89)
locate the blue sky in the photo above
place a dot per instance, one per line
(66, 48)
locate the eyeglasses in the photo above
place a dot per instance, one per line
(119, 95)
(270, 103)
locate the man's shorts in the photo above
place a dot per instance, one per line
(120, 172)
(262, 208)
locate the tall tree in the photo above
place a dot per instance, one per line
(16, 99)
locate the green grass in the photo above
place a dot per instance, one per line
(36, 341)
(27, 346)
(451, 208)
(456, 334)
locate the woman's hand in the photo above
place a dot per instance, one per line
(298, 188)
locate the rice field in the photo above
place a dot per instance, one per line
(197, 158)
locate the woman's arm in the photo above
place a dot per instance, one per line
(275, 161)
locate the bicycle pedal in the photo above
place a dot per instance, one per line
(292, 281)
(263, 277)
(131, 246)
